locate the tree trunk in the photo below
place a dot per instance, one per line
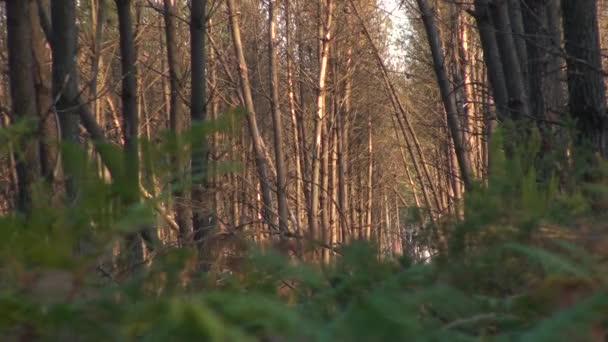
(518, 101)
(301, 113)
(65, 77)
(343, 148)
(370, 179)
(586, 88)
(178, 123)
(555, 92)
(324, 194)
(69, 92)
(535, 19)
(129, 99)
(98, 17)
(294, 118)
(23, 97)
(130, 177)
(516, 18)
(326, 7)
(201, 218)
(49, 153)
(276, 117)
(492, 58)
(334, 214)
(446, 91)
(259, 148)
(466, 56)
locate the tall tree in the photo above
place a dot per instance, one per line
(537, 47)
(130, 121)
(23, 96)
(446, 92)
(129, 98)
(259, 148)
(514, 77)
(555, 92)
(491, 56)
(276, 116)
(296, 121)
(178, 121)
(65, 76)
(49, 133)
(343, 123)
(516, 9)
(198, 114)
(587, 102)
(325, 32)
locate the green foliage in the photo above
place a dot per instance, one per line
(481, 290)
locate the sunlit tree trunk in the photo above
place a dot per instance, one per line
(261, 160)
(294, 117)
(334, 215)
(325, 22)
(467, 57)
(343, 123)
(446, 92)
(324, 194)
(99, 72)
(370, 179)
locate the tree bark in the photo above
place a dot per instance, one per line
(516, 18)
(178, 123)
(370, 179)
(276, 117)
(343, 122)
(49, 144)
(586, 87)
(201, 217)
(130, 177)
(556, 96)
(326, 8)
(129, 99)
(261, 160)
(446, 91)
(535, 19)
(293, 109)
(492, 58)
(518, 101)
(23, 97)
(65, 77)
(334, 213)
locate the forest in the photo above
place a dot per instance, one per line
(303, 170)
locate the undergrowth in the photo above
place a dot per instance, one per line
(516, 268)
